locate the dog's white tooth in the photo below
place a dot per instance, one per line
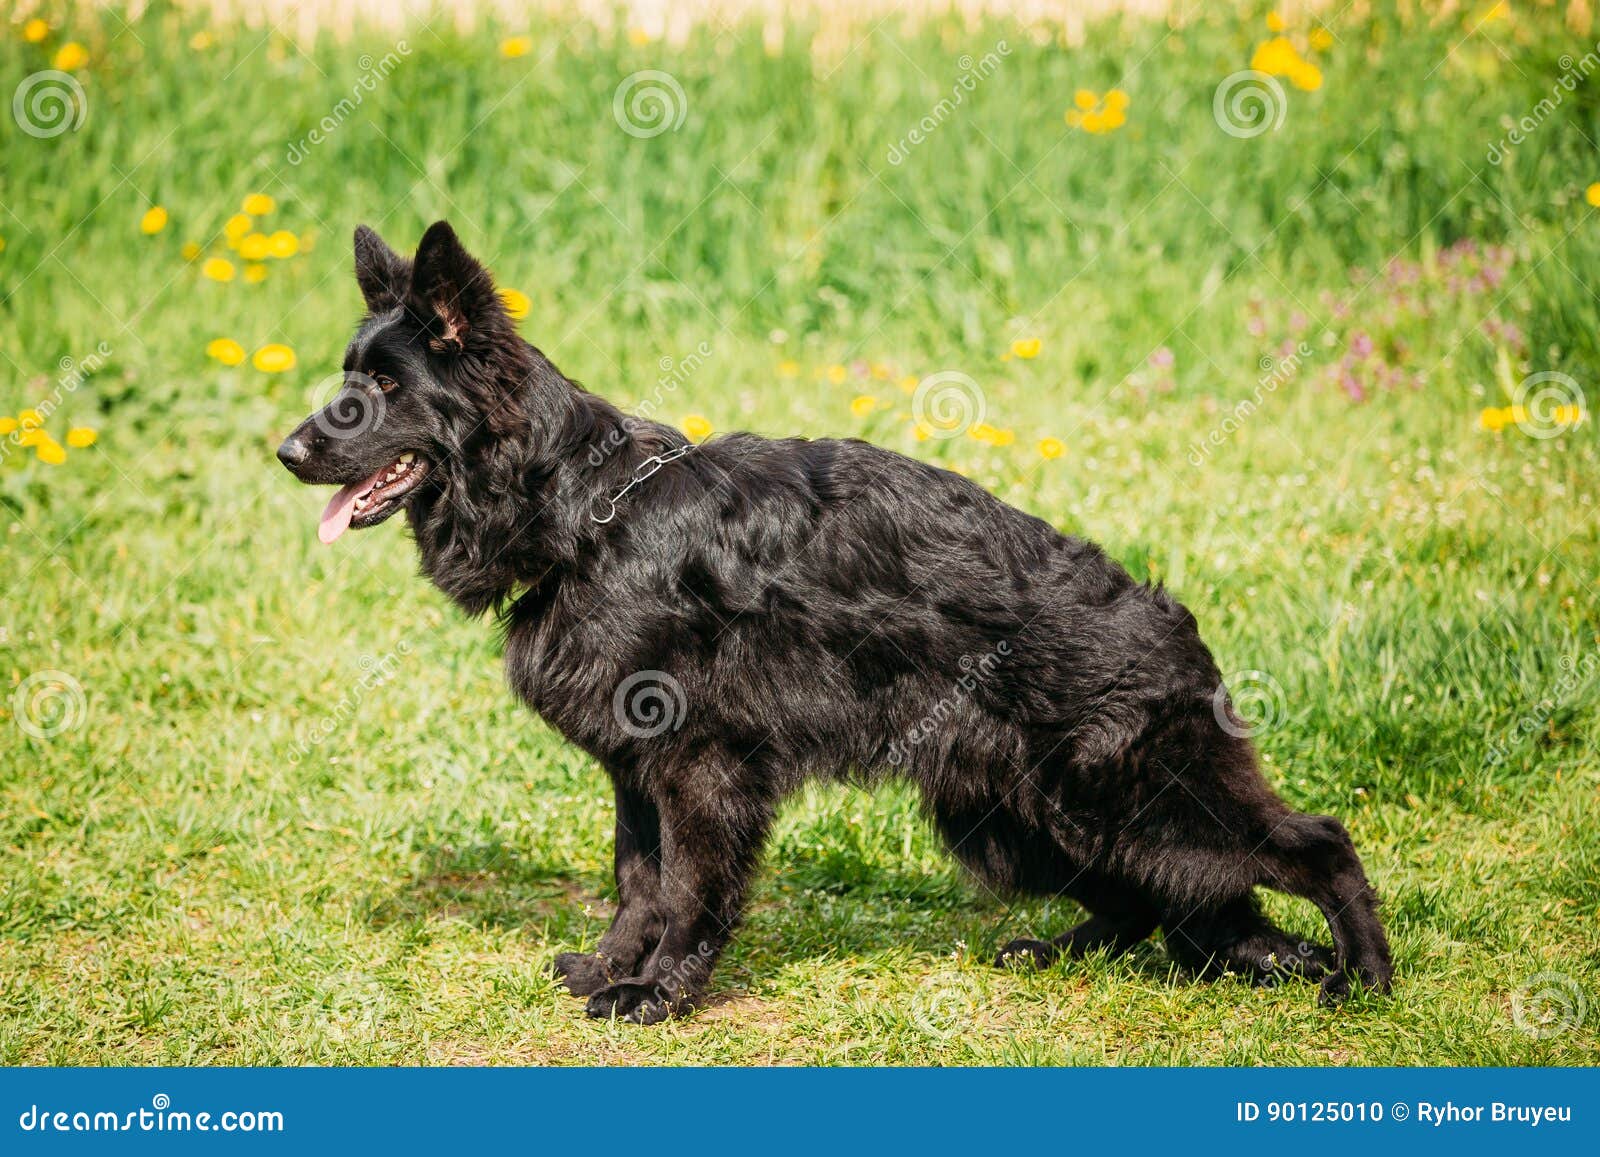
(407, 456)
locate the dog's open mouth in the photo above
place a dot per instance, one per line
(374, 499)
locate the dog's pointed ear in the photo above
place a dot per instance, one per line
(383, 275)
(451, 293)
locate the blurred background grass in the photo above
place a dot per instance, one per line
(248, 849)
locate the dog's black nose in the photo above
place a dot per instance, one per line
(293, 452)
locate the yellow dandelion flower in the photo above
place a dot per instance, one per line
(35, 30)
(225, 350)
(908, 384)
(1321, 39)
(638, 37)
(50, 452)
(1026, 348)
(516, 302)
(254, 247)
(273, 359)
(27, 437)
(1085, 99)
(1492, 419)
(1592, 194)
(190, 251)
(1051, 448)
(981, 432)
(29, 419)
(236, 227)
(254, 273)
(7, 424)
(217, 269)
(1306, 76)
(201, 41)
(697, 428)
(258, 205)
(1003, 438)
(1116, 100)
(788, 369)
(70, 57)
(1275, 57)
(863, 404)
(837, 374)
(1275, 22)
(515, 46)
(153, 221)
(921, 431)
(81, 437)
(283, 244)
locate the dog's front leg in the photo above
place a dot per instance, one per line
(711, 839)
(636, 928)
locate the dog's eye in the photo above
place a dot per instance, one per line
(385, 383)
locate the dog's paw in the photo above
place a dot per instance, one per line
(1338, 986)
(582, 973)
(634, 1003)
(1026, 954)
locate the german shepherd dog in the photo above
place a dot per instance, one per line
(716, 623)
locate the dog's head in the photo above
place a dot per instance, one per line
(433, 369)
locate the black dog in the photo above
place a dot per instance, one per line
(714, 624)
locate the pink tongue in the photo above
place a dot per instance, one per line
(341, 508)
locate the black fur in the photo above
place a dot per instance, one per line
(759, 612)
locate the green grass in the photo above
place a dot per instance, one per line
(185, 879)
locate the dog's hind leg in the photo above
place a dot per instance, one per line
(1313, 857)
(1235, 936)
(636, 928)
(1119, 918)
(711, 837)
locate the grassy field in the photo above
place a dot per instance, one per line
(266, 802)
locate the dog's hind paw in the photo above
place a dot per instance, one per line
(634, 1003)
(581, 973)
(1026, 953)
(1336, 987)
